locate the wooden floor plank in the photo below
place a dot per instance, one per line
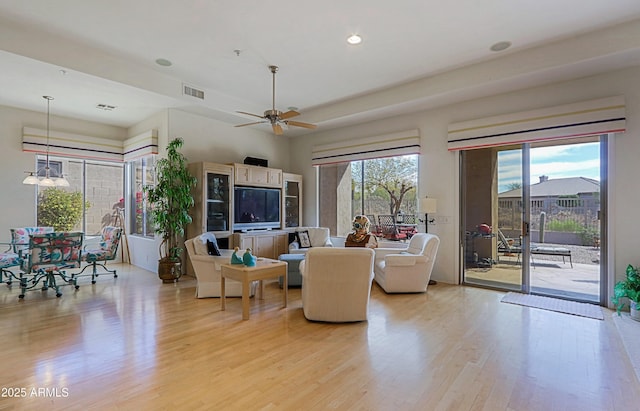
(135, 343)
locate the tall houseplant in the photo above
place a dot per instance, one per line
(171, 200)
(629, 288)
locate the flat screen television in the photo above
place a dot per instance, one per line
(256, 208)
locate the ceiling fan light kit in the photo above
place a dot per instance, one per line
(275, 117)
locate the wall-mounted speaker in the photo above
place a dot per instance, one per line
(253, 161)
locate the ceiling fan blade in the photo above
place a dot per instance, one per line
(300, 124)
(250, 124)
(289, 114)
(249, 114)
(277, 128)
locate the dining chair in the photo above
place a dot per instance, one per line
(16, 251)
(106, 250)
(49, 256)
(8, 259)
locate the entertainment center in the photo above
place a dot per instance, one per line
(245, 206)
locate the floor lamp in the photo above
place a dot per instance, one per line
(428, 205)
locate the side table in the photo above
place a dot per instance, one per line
(265, 268)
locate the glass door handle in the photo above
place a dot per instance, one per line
(525, 228)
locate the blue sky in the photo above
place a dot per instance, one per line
(572, 160)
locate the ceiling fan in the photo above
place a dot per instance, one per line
(276, 117)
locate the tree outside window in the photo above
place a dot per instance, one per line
(385, 185)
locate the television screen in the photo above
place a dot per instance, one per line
(256, 208)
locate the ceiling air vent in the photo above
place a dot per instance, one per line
(192, 91)
(105, 107)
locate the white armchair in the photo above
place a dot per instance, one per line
(318, 236)
(407, 270)
(207, 269)
(336, 283)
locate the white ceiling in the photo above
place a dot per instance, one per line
(416, 54)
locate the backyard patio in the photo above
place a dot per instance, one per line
(549, 274)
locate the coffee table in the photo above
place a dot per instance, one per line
(265, 268)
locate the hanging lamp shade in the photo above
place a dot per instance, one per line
(31, 179)
(61, 181)
(47, 180)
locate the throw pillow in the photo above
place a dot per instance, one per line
(212, 248)
(303, 239)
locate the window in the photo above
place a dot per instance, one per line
(384, 186)
(141, 174)
(55, 167)
(90, 202)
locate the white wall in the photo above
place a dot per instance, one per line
(210, 140)
(18, 200)
(439, 168)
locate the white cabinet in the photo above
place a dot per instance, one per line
(246, 175)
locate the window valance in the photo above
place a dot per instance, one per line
(74, 145)
(388, 145)
(142, 145)
(601, 116)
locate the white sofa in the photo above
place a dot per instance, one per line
(336, 283)
(207, 269)
(407, 270)
(318, 236)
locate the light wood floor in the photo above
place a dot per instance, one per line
(136, 344)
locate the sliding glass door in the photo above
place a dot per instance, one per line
(530, 217)
(493, 237)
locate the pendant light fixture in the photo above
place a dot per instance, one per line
(47, 180)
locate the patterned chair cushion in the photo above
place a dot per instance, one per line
(20, 237)
(51, 250)
(107, 248)
(9, 260)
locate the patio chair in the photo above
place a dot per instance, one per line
(409, 225)
(508, 246)
(375, 228)
(389, 229)
(106, 250)
(49, 256)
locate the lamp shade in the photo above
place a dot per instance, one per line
(47, 182)
(31, 179)
(428, 205)
(61, 182)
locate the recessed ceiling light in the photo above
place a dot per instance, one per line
(501, 45)
(354, 39)
(163, 62)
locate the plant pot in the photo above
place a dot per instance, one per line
(634, 313)
(169, 270)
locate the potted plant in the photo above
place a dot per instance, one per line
(629, 288)
(171, 199)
